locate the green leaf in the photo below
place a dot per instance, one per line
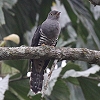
(10, 3)
(90, 88)
(6, 69)
(69, 66)
(72, 80)
(75, 92)
(21, 65)
(37, 97)
(60, 91)
(2, 20)
(10, 96)
(68, 8)
(82, 32)
(20, 89)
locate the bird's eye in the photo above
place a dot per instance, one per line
(51, 14)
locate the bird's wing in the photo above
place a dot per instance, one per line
(35, 41)
(36, 37)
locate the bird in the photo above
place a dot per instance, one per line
(47, 33)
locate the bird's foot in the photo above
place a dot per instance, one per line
(52, 46)
(43, 44)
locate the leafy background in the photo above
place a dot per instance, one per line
(80, 22)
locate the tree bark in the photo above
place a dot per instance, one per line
(49, 52)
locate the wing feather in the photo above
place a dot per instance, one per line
(36, 37)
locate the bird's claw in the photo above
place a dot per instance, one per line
(43, 44)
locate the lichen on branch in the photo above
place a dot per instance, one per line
(49, 52)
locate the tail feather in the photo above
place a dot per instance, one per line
(36, 81)
(37, 72)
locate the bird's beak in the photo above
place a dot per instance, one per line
(58, 13)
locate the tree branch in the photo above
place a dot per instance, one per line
(47, 52)
(95, 2)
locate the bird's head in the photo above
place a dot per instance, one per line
(54, 15)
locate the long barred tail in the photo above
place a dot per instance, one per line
(36, 79)
(37, 72)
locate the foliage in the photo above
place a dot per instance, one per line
(80, 28)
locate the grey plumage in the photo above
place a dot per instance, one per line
(47, 33)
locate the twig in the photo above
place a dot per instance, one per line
(49, 75)
(19, 78)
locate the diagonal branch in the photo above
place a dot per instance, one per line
(47, 52)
